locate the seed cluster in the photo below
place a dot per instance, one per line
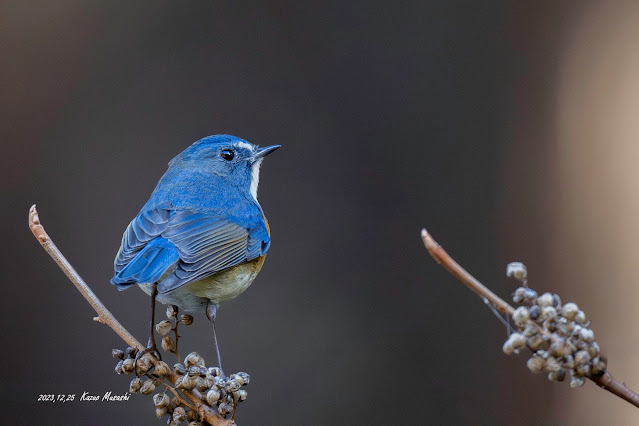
(558, 335)
(218, 391)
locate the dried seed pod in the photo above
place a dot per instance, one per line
(193, 371)
(232, 385)
(135, 385)
(128, 365)
(224, 409)
(516, 270)
(593, 349)
(237, 378)
(587, 335)
(552, 365)
(529, 331)
(215, 371)
(191, 416)
(201, 384)
(171, 311)
(569, 310)
(580, 317)
(545, 300)
(550, 325)
(219, 381)
(241, 395)
(598, 366)
(178, 382)
(569, 362)
(582, 357)
(142, 366)
(186, 319)
(161, 400)
(560, 348)
(557, 376)
(179, 415)
(164, 327)
(161, 411)
(514, 342)
(179, 369)
(534, 311)
(147, 387)
(535, 364)
(583, 370)
(208, 382)
(530, 296)
(188, 382)
(193, 359)
(575, 382)
(117, 354)
(556, 301)
(548, 313)
(521, 316)
(168, 344)
(518, 295)
(561, 329)
(245, 376)
(118, 367)
(131, 352)
(212, 396)
(561, 320)
(537, 342)
(162, 369)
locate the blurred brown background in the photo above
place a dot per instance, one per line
(508, 129)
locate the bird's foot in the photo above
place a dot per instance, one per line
(150, 349)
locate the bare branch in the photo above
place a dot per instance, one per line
(441, 257)
(603, 380)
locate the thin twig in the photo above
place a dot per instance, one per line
(209, 415)
(177, 395)
(604, 380)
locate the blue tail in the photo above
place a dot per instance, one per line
(149, 265)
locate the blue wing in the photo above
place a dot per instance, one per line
(148, 266)
(179, 247)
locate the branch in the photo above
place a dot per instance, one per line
(603, 380)
(104, 316)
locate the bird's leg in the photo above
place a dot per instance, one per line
(151, 347)
(154, 295)
(211, 314)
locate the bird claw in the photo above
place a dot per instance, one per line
(152, 349)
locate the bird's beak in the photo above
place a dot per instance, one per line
(263, 152)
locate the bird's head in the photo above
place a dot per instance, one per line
(229, 157)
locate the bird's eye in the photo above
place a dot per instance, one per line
(227, 154)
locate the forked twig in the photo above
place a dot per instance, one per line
(603, 380)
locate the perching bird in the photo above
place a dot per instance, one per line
(202, 237)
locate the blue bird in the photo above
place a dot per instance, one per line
(202, 237)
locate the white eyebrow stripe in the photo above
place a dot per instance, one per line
(244, 145)
(255, 178)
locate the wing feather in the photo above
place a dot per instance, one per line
(194, 244)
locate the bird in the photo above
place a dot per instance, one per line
(202, 237)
